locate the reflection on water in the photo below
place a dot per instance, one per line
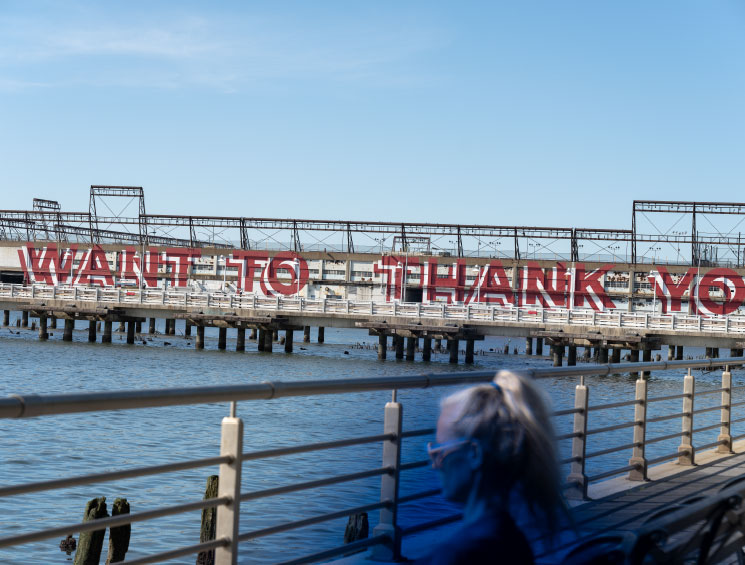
(55, 447)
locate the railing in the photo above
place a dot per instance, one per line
(486, 313)
(386, 538)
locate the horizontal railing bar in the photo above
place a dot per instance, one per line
(611, 428)
(431, 524)
(566, 412)
(663, 438)
(613, 472)
(417, 433)
(737, 403)
(706, 428)
(662, 458)
(709, 409)
(669, 397)
(570, 460)
(613, 405)
(173, 553)
(419, 495)
(310, 521)
(737, 420)
(341, 550)
(712, 444)
(612, 450)
(27, 406)
(253, 495)
(415, 464)
(113, 475)
(102, 523)
(291, 450)
(668, 417)
(738, 387)
(568, 436)
(710, 391)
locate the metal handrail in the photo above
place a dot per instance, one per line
(294, 449)
(181, 552)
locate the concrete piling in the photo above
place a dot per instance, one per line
(130, 333)
(43, 326)
(616, 355)
(67, 334)
(382, 346)
(172, 327)
(528, 346)
(539, 346)
(321, 332)
(572, 356)
(240, 339)
(6, 318)
(24, 319)
(604, 355)
(427, 349)
(410, 348)
(268, 342)
(138, 327)
(288, 341)
(679, 353)
(262, 339)
(222, 334)
(469, 352)
(106, 338)
(453, 349)
(398, 341)
(634, 355)
(151, 326)
(92, 331)
(275, 335)
(646, 357)
(557, 353)
(199, 342)
(306, 334)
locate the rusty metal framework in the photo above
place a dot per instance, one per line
(113, 223)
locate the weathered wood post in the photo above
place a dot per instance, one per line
(399, 343)
(151, 326)
(469, 352)
(410, 348)
(209, 522)
(229, 484)
(686, 454)
(252, 334)
(528, 346)
(106, 337)
(222, 334)
(358, 528)
(199, 342)
(90, 544)
(262, 340)
(187, 329)
(130, 333)
(679, 353)
(121, 329)
(288, 341)
(646, 358)
(24, 319)
(670, 352)
(43, 326)
(119, 535)
(438, 345)
(92, 331)
(453, 349)
(171, 326)
(275, 335)
(615, 355)
(53, 322)
(539, 346)
(640, 432)
(306, 334)
(321, 334)
(67, 333)
(427, 349)
(268, 341)
(6, 317)
(382, 346)
(240, 339)
(577, 479)
(388, 522)
(571, 356)
(725, 433)
(138, 327)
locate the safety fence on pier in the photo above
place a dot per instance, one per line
(386, 538)
(474, 313)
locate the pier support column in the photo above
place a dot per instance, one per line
(261, 340)
(615, 355)
(557, 352)
(398, 341)
(252, 334)
(268, 343)
(528, 346)
(92, 331)
(438, 345)
(187, 330)
(679, 353)
(130, 333)
(240, 339)
(735, 352)
(199, 342)
(69, 325)
(410, 348)
(539, 346)
(670, 352)
(634, 355)
(275, 335)
(122, 327)
(151, 327)
(572, 356)
(427, 349)
(138, 327)
(222, 335)
(382, 346)
(106, 337)
(453, 349)
(321, 332)
(469, 352)
(604, 355)
(306, 334)
(6, 317)
(43, 327)
(53, 322)
(646, 357)
(24, 319)
(172, 327)
(288, 341)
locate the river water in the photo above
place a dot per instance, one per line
(61, 446)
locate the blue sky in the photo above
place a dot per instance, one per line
(540, 113)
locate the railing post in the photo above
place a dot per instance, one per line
(686, 455)
(228, 516)
(640, 432)
(577, 479)
(725, 433)
(387, 525)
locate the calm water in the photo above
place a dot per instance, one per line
(55, 447)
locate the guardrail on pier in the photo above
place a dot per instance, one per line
(474, 313)
(386, 538)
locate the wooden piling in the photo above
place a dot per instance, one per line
(572, 356)
(6, 317)
(240, 339)
(410, 348)
(438, 345)
(90, 544)
(106, 338)
(382, 346)
(222, 335)
(199, 342)
(469, 352)
(209, 522)
(43, 326)
(288, 341)
(453, 349)
(358, 528)
(275, 335)
(151, 326)
(321, 334)
(92, 331)
(528, 346)
(187, 330)
(427, 349)
(130, 333)
(67, 334)
(24, 319)
(119, 535)
(53, 322)
(398, 341)
(268, 341)
(306, 334)
(252, 334)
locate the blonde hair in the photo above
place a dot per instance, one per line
(511, 421)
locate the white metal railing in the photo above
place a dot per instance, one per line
(487, 313)
(386, 538)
